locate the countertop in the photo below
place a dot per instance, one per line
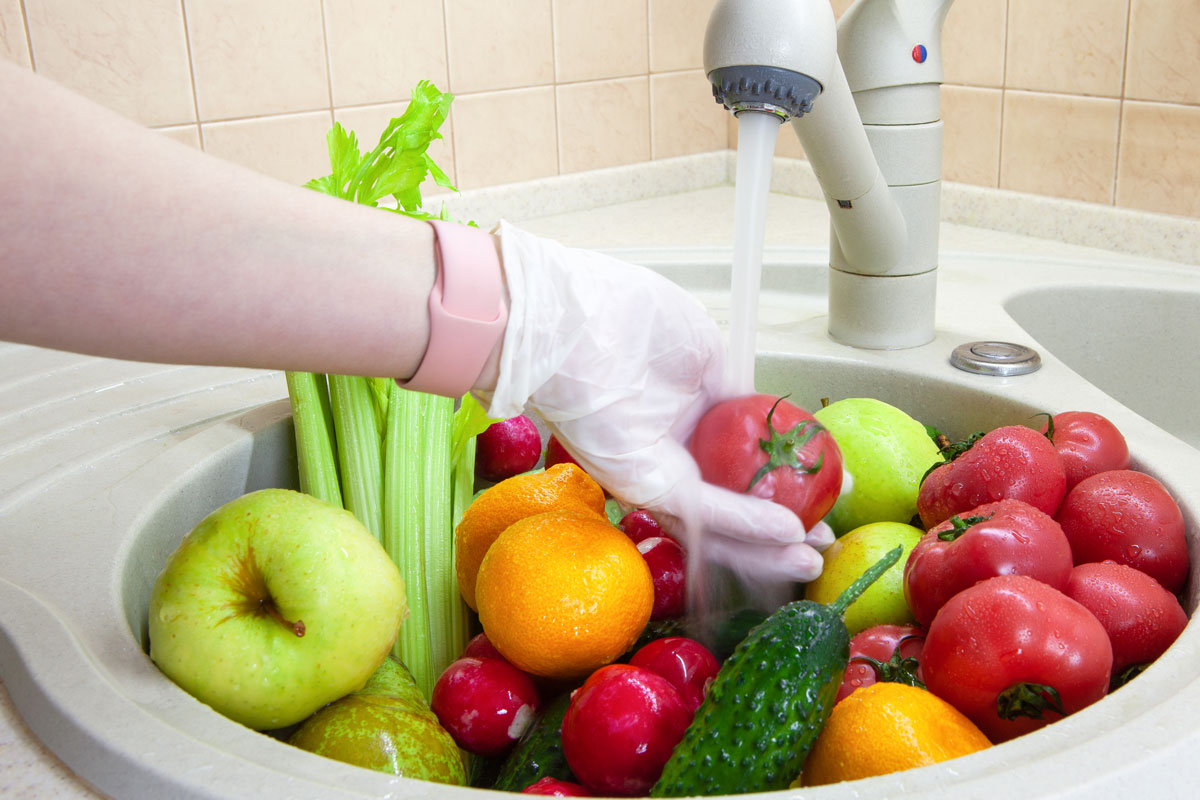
(688, 202)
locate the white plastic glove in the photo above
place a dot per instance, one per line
(621, 364)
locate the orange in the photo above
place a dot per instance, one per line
(563, 487)
(562, 593)
(888, 727)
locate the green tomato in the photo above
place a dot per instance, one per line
(849, 557)
(886, 452)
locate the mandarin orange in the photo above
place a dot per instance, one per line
(888, 727)
(563, 487)
(563, 593)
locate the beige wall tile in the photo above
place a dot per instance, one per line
(129, 55)
(684, 117)
(184, 134)
(1159, 164)
(603, 124)
(971, 134)
(1059, 145)
(1164, 51)
(599, 40)
(502, 137)
(14, 44)
(677, 33)
(289, 147)
(973, 42)
(368, 122)
(379, 49)
(250, 59)
(1069, 46)
(499, 44)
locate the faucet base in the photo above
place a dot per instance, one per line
(882, 312)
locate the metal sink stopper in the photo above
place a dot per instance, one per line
(1002, 359)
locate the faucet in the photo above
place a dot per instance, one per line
(862, 95)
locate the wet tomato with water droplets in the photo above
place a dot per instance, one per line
(1008, 537)
(1014, 655)
(1008, 463)
(1088, 444)
(884, 653)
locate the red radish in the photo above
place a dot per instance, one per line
(620, 729)
(640, 524)
(557, 454)
(481, 646)
(553, 787)
(665, 558)
(688, 665)
(485, 704)
(508, 447)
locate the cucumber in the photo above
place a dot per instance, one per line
(539, 751)
(769, 701)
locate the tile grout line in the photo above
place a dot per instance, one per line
(328, 59)
(1121, 101)
(452, 141)
(558, 165)
(28, 35)
(187, 43)
(1003, 93)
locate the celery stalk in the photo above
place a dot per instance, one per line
(360, 449)
(315, 441)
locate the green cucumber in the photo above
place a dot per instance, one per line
(769, 701)
(539, 751)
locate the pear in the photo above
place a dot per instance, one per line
(886, 452)
(385, 726)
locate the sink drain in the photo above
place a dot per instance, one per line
(1002, 359)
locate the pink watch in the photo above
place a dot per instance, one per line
(467, 312)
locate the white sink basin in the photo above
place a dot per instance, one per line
(105, 465)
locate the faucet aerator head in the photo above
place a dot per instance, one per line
(764, 89)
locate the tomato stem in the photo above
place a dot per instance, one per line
(961, 526)
(898, 668)
(783, 447)
(1030, 700)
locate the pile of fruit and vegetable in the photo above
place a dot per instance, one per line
(454, 599)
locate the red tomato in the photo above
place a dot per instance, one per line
(883, 653)
(1014, 654)
(1127, 517)
(1008, 463)
(1008, 537)
(765, 446)
(1087, 443)
(1142, 618)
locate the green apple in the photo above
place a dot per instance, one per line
(886, 452)
(385, 726)
(274, 605)
(847, 558)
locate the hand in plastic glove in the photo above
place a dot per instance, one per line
(621, 364)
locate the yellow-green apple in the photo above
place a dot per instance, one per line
(274, 605)
(849, 557)
(886, 452)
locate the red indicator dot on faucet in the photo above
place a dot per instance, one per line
(919, 53)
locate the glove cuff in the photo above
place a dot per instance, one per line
(467, 312)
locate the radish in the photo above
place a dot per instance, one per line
(481, 646)
(485, 704)
(553, 787)
(668, 570)
(506, 448)
(688, 665)
(640, 524)
(557, 454)
(620, 729)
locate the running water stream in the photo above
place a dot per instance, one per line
(757, 133)
(715, 592)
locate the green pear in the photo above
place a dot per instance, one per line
(276, 604)
(849, 557)
(385, 726)
(886, 452)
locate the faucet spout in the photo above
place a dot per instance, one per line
(872, 133)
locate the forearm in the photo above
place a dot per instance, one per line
(120, 242)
